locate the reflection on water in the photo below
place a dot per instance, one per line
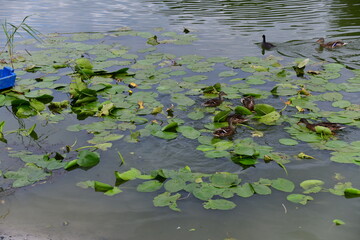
(231, 28)
(227, 28)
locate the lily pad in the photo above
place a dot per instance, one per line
(219, 204)
(299, 198)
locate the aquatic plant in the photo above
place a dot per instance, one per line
(122, 92)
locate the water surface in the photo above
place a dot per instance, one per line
(60, 210)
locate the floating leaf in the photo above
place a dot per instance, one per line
(174, 185)
(270, 118)
(166, 199)
(221, 116)
(244, 190)
(220, 204)
(102, 187)
(261, 189)
(299, 198)
(149, 186)
(340, 188)
(288, 141)
(263, 109)
(312, 186)
(304, 156)
(224, 179)
(283, 184)
(88, 158)
(352, 192)
(189, 132)
(131, 174)
(26, 175)
(242, 110)
(338, 222)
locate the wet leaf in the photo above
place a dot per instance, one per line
(263, 109)
(131, 174)
(189, 132)
(224, 179)
(340, 188)
(352, 192)
(304, 156)
(288, 141)
(270, 118)
(338, 222)
(242, 110)
(219, 204)
(312, 186)
(221, 116)
(26, 175)
(261, 189)
(166, 199)
(299, 198)
(244, 190)
(174, 185)
(149, 186)
(283, 184)
(87, 158)
(102, 187)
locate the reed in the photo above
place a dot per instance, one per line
(11, 30)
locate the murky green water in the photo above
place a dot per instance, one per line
(60, 210)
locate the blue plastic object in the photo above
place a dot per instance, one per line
(7, 78)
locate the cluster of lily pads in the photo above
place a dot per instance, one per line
(134, 94)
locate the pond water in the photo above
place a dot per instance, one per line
(58, 209)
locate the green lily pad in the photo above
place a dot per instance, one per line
(283, 184)
(219, 204)
(149, 186)
(270, 118)
(299, 198)
(312, 186)
(166, 199)
(189, 132)
(26, 175)
(288, 141)
(352, 192)
(338, 222)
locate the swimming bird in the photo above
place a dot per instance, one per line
(215, 101)
(225, 131)
(332, 44)
(266, 45)
(248, 102)
(311, 126)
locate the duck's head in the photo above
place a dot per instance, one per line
(303, 120)
(320, 40)
(222, 93)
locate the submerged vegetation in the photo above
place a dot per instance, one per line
(117, 93)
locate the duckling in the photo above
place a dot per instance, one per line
(332, 44)
(311, 126)
(225, 131)
(248, 102)
(236, 118)
(266, 45)
(215, 101)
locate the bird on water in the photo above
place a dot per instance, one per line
(266, 45)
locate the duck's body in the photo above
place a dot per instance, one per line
(311, 126)
(266, 45)
(248, 102)
(333, 44)
(215, 101)
(236, 118)
(225, 131)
